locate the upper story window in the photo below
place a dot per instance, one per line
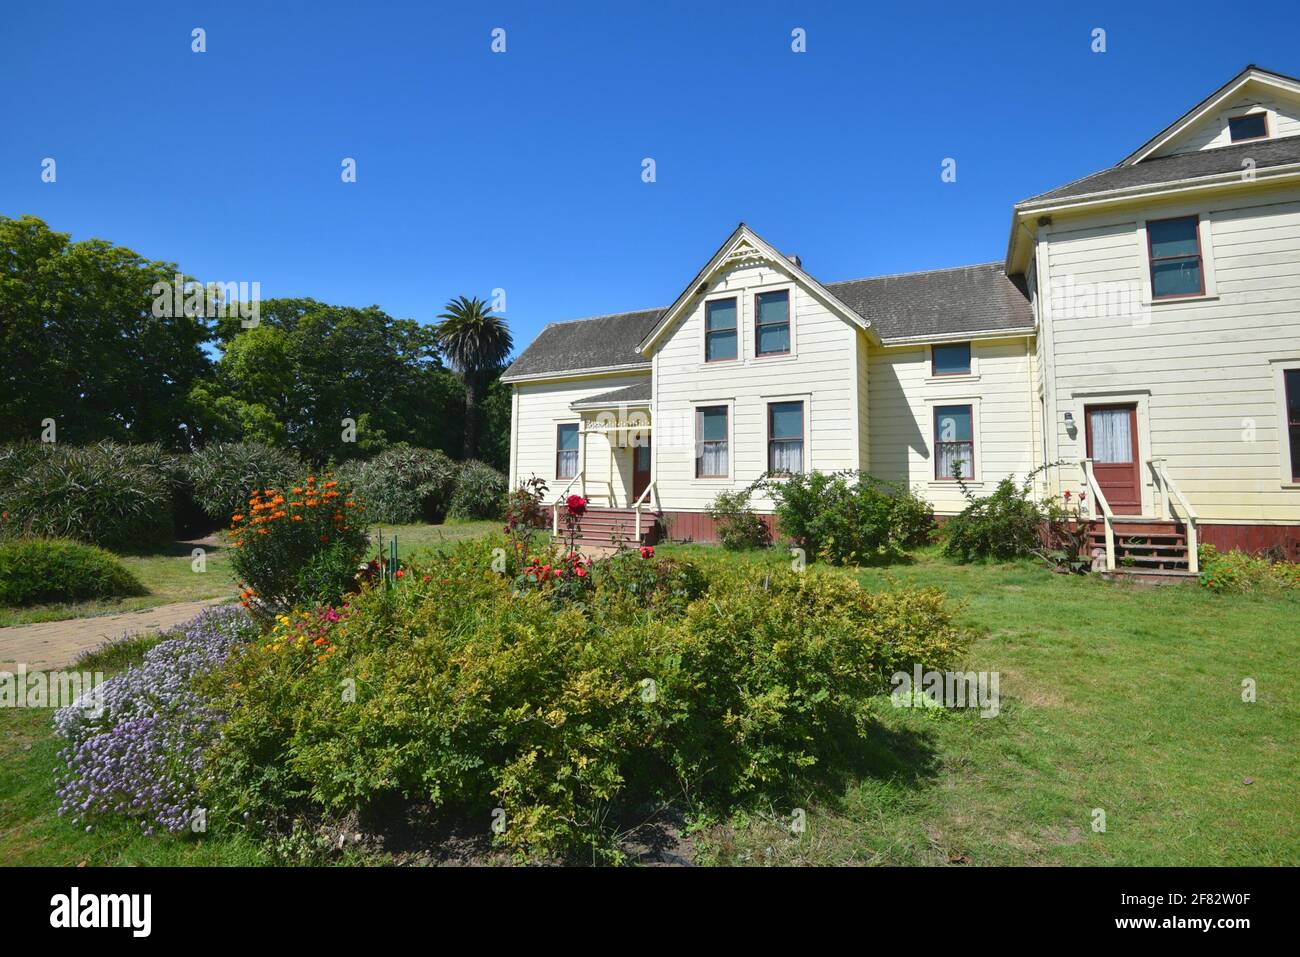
(711, 441)
(785, 437)
(954, 442)
(772, 323)
(719, 330)
(1175, 252)
(1252, 126)
(566, 450)
(950, 359)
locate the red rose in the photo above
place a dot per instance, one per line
(576, 504)
(647, 551)
(1067, 495)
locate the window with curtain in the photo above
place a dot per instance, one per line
(719, 330)
(1175, 246)
(772, 323)
(1291, 378)
(954, 442)
(711, 441)
(950, 359)
(566, 450)
(1111, 432)
(1252, 126)
(785, 437)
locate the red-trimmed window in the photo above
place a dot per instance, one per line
(785, 437)
(951, 358)
(711, 441)
(954, 442)
(1291, 377)
(772, 323)
(1175, 250)
(566, 450)
(719, 330)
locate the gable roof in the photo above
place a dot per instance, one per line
(1251, 74)
(1179, 166)
(743, 241)
(586, 345)
(941, 302)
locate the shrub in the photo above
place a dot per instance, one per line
(108, 494)
(739, 526)
(39, 570)
(224, 475)
(849, 522)
(297, 545)
(1003, 525)
(1236, 571)
(479, 493)
(402, 484)
(471, 694)
(135, 744)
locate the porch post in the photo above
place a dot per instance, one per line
(582, 466)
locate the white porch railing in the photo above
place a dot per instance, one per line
(1167, 489)
(1107, 516)
(639, 504)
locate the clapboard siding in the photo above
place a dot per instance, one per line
(821, 373)
(1283, 119)
(1202, 368)
(901, 428)
(540, 407)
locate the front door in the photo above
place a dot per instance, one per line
(1113, 448)
(640, 468)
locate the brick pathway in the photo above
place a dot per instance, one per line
(56, 644)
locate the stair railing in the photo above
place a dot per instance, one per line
(639, 504)
(1168, 491)
(1108, 517)
(555, 506)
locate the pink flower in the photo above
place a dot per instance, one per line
(1082, 496)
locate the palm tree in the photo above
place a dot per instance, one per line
(476, 343)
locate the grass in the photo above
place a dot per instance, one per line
(1115, 697)
(170, 577)
(1118, 697)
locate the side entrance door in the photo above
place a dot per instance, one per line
(640, 468)
(1113, 448)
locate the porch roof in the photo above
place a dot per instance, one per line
(636, 394)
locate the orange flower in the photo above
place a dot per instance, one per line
(236, 517)
(297, 518)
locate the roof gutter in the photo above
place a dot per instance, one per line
(578, 373)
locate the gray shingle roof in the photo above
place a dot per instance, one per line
(640, 392)
(596, 343)
(1168, 169)
(939, 302)
(954, 301)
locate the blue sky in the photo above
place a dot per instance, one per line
(522, 170)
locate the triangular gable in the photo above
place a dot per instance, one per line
(1248, 82)
(746, 246)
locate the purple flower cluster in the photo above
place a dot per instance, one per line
(135, 750)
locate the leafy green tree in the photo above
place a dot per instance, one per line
(308, 366)
(81, 343)
(476, 343)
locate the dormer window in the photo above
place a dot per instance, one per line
(1252, 126)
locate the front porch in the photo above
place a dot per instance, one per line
(1161, 546)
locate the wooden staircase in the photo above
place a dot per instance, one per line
(1145, 549)
(608, 528)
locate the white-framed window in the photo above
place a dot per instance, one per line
(1252, 125)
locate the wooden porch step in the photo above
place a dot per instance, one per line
(1150, 576)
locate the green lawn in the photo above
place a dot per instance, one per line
(170, 577)
(1118, 697)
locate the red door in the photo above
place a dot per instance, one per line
(1113, 448)
(640, 468)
